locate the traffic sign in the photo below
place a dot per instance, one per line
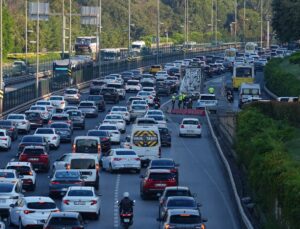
(70, 72)
(1, 94)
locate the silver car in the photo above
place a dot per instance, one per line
(89, 108)
(137, 111)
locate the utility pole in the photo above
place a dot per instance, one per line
(212, 19)
(261, 23)
(216, 28)
(1, 59)
(26, 30)
(157, 32)
(100, 30)
(70, 29)
(63, 29)
(235, 22)
(129, 27)
(244, 22)
(268, 33)
(37, 49)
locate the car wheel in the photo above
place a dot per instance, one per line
(21, 225)
(143, 195)
(9, 222)
(32, 188)
(97, 184)
(200, 135)
(97, 215)
(180, 135)
(111, 169)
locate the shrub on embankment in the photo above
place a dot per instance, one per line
(280, 80)
(273, 174)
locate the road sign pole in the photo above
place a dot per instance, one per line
(1, 59)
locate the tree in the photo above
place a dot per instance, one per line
(8, 31)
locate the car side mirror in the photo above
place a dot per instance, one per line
(204, 220)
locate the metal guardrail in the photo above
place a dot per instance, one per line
(21, 79)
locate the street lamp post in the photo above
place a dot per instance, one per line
(37, 49)
(157, 32)
(26, 30)
(212, 19)
(261, 23)
(235, 21)
(100, 30)
(244, 22)
(1, 58)
(216, 28)
(129, 27)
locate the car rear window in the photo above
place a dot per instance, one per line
(63, 118)
(185, 219)
(80, 193)
(181, 203)
(161, 176)
(138, 107)
(83, 163)
(132, 83)
(5, 123)
(98, 133)
(71, 92)
(108, 128)
(41, 205)
(2, 134)
(74, 113)
(21, 170)
(44, 131)
(6, 187)
(86, 146)
(56, 98)
(7, 175)
(178, 193)
(66, 221)
(86, 104)
(119, 109)
(33, 115)
(190, 122)
(32, 139)
(123, 153)
(66, 174)
(33, 151)
(59, 125)
(162, 163)
(211, 97)
(16, 117)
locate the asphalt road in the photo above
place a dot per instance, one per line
(200, 169)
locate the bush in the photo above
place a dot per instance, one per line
(295, 58)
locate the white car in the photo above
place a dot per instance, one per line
(26, 173)
(2, 225)
(44, 112)
(5, 140)
(110, 79)
(168, 66)
(133, 85)
(83, 200)
(10, 193)
(150, 89)
(22, 123)
(72, 95)
(58, 101)
(31, 210)
(119, 87)
(161, 120)
(190, 127)
(119, 78)
(50, 135)
(146, 95)
(155, 112)
(116, 119)
(8, 175)
(45, 103)
(115, 135)
(121, 159)
(122, 110)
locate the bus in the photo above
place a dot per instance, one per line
(230, 54)
(242, 73)
(250, 48)
(86, 45)
(112, 54)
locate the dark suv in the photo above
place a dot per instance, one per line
(32, 140)
(165, 136)
(99, 100)
(110, 94)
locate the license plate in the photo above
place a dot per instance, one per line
(190, 131)
(126, 220)
(2, 201)
(79, 203)
(160, 185)
(33, 159)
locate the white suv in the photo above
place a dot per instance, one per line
(50, 135)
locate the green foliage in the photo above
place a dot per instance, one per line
(295, 58)
(8, 25)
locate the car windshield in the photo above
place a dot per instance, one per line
(163, 130)
(132, 82)
(243, 72)
(208, 97)
(21, 170)
(185, 219)
(80, 193)
(81, 163)
(108, 128)
(44, 131)
(156, 117)
(32, 151)
(181, 203)
(71, 92)
(65, 221)
(32, 139)
(178, 193)
(161, 176)
(41, 205)
(67, 174)
(190, 122)
(98, 133)
(16, 117)
(125, 152)
(7, 175)
(167, 163)
(6, 187)
(86, 146)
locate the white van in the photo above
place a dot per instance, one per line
(249, 92)
(87, 144)
(145, 141)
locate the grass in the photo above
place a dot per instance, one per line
(294, 69)
(293, 146)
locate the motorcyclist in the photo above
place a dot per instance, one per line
(156, 99)
(229, 96)
(126, 204)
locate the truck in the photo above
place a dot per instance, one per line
(137, 46)
(192, 80)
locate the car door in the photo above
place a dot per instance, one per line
(15, 211)
(106, 160)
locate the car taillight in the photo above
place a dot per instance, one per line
(11, 129)
(117, 159)
(93, 202)
(28, 212)
(66, 202)
(73, 148)
(137, 159)
(182, 126)
(3, 139)
(199, 126)
(68, 166)
(54, 182)
(49, 122)
(97, 167)
(57, 210)
(62, 102)
(173, 170)
(105, 139)
(99, 148)
(168, 226)
(150, 97)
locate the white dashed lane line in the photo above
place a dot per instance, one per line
(116, 206)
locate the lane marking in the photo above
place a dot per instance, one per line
(116, 206)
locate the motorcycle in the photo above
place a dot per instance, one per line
(126, 219)
(230, 98)
(156, 105)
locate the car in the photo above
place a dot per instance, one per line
(34, 118)
(121, 159)
(116, 119)
(45, 103)
(89, 108)
(31, 210)
(154, 112)
(207, 101)
(58, 220)
(155, 181)
(150, 89)
(77, 118)
(174, 71)
(68, 108)
(110, 95)
(87, 144)
(163, 89)
(144, 121)
(190, 126)
(127, 76)
(178, 202)
(131, 98)
(154, 69)
(72, 95)
(10, 192)
(146, 95)
(9, 175)
(44, 112)
(5, 140)
(120, 89)
(37, 156)
(122, 110)
(58, 101)
(165, 136)
(22, 124)
(63, 130)
(167, 66)
(165, 163)
(115, 135)
(2, 225)
(61, 117)
(161, 120)
(119, 78)
(104, 137)
(25, 173)
(33, 140)
(10, 127)
(133, 86)
(51, 136)
(86, 164)
(83, 200)
(161, 75)
(110, 79)
(138, 102)
(62, 180)
(99, 101)
(96, 86)
(182, 218)
(148, 78)
(137, 111)
(137, 73)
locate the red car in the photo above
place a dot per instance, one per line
(37, 156)
(155, 181)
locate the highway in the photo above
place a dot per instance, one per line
(200, 168)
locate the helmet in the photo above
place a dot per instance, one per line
(126, 194)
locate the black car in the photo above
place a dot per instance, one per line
(63, 130)
(173, 71)
(127, 76)
(104, 140)
(10, 128)
(165, 136)
(78, 118)
(165, 163)
(137, 74)
(110, 94)
(67, 220)
(32, 140)
(96, 86)
(35, 119)
(99, 100)
(163, 88)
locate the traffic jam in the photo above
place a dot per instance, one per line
(119, 125)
